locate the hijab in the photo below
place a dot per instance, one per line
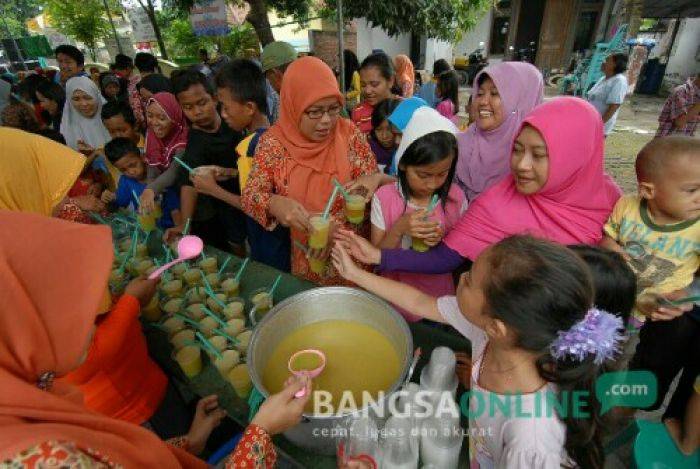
(54, 274)
(404, 71)
(404, 111)
(35, 173)
(425, 120)
(75, 126)
(484, 155)
(159, 152)
(574, 203)
(313, 165)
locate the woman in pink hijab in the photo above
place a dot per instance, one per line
(166, 136)
(502, 96)
(556, 190)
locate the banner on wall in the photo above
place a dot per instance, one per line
(210, 18)
(141, 27)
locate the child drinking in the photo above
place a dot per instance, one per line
(376, 79)
(448, 93)
(426, 160)
(381, 138)
(527, 308)
(123, 153)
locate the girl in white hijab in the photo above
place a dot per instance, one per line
(81, 122)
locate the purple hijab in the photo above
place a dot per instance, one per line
(484, 156)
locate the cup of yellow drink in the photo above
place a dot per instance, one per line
(207, 325)
(181, 338)
(151, 312)
(261, 299)
(214, 280)
(355, 208)
(133, 267)
(234, 326)
(173, 325)
(228, 359)
(239, 377)
(230, 286)
(172, 288)
(318, 239)
(143, 266)
(141, 251)
(220, 343)
(173, 305)
(208, 265)
(234, 308)
(195, 311)
(418, 245)
(189, 358)
(147, 221)
(215, 305)
(116, 276)
(157, 211)
(193, 277)
(318, 266)
(243, 340)
(178, 270)
(196, 295)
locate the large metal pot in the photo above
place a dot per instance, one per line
(322, 304)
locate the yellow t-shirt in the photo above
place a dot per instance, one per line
(245, 162)
(664, 257)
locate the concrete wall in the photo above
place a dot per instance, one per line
(685, 55)
(369, 38)
(471, 39)
(435, 49)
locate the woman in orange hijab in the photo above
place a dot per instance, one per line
(405, 75)
(297, 159)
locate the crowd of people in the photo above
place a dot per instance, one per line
(504, 226)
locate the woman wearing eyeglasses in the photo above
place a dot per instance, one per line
(297, 159)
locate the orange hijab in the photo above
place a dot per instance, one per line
(404, 71)
(314, 164)
(53, 274)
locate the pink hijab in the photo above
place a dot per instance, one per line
(484, 155)
(575, 201)
(159, 152)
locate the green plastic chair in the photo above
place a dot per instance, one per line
(654, 449)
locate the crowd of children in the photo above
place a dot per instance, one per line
(247, 157)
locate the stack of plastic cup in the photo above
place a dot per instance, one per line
(439, 374)
(400, 445)
(441, 441)
(361, 441)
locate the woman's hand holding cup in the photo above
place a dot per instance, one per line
(290, 213)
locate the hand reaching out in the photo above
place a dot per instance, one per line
(207, 417)
(358, 247)
(282, 411)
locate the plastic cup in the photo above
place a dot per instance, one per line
(147, 221)
(116, 276)
(192, 277)
(234, 326)
(173, 288)
(219, 342)
(178, 270)
(189, 358)
(143, 266)
(216, 305)
(207, 325)
(132, 267)
(180, 339)
(441, 441)
(173, 325)
(157, 211)
(195, 311)
(209, 265)
(151, 312)
(261, 299)
(418, 245)
(400, 445)
(439, 374)
(243, 341)
(355, 209)
(141, 251)
(213, 279)
(234, 308)
(196, 295)
(172, 306)
(239, 377)
(318, 239)
(229, 359)
(318, 266)
(230, 286)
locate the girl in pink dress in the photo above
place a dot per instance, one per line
(448, 93)
(426, 159)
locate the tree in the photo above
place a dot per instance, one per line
(441, 19)
(82, 19)
(300, 10)
(16, 13)
(150, 10)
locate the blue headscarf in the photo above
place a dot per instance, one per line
(401, 116)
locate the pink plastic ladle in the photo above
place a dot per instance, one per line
(188, 247)
(310, 373)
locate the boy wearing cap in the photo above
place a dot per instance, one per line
(276, 56)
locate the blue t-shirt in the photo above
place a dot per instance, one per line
(125, 198)
(427, 92)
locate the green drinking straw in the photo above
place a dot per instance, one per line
(192, 323)
(274, 285)
(341, 188)
(223, 266)
(304, 249)
(433, 203)
(136, 198)
(187, 227)
(226, 336)
(208, 345)
(207, 286)
(183, 164)
(216, 318)
(327, 210)
(240, 271)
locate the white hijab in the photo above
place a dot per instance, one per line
(425, 120)
(75, 126)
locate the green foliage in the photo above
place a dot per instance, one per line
(84, 20)
(442, 19)
(16, 13)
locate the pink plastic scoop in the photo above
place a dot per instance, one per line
(310, 373)
(187, 248)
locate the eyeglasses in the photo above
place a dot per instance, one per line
(332, 111)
